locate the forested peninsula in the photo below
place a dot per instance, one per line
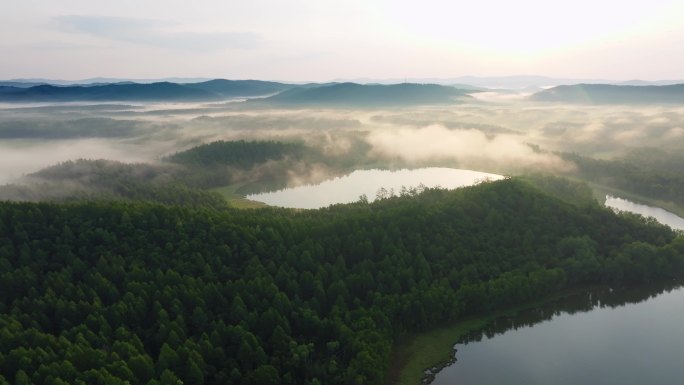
(143, 293)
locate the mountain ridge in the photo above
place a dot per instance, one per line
(348, 94)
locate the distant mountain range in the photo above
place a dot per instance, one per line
(517, 82)
(362, 95)
(108, 92)
(212, 90)
(612, 94)
(344, 94)
(100, 81)
(20, 84)
(329, 94)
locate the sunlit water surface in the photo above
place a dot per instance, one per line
(663, 216)
(349, 188)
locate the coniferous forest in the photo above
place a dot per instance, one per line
(142, 293)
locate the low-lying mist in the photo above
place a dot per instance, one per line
(19, 157)
(506, 136)
(467, 147)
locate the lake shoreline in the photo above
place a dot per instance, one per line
(433, 349)
(368, 185)
(418, 357)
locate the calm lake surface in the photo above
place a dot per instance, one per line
(663, 216)
(618, 337)
(349, 188)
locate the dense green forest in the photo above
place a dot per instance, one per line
(140, 293)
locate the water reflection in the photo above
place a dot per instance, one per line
(577, 303)
(602, 336)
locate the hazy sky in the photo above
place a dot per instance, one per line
(323, 40)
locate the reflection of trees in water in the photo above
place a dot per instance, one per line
(576, 303)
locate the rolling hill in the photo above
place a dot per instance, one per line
(240, 88)
(363, 95)
(612, 94)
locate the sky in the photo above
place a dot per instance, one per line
(320, 40)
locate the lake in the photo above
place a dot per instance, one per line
(663, 216)
(349, 188)
(608, 337)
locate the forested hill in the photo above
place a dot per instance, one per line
(612, 94)
(364, 95)
(115, 293)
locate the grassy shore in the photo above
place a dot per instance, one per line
(418, 352)
(236, 200)
(435, 348)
